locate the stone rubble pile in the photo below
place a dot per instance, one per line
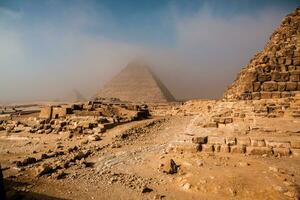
(274, 72)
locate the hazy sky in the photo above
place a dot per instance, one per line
(48, 48)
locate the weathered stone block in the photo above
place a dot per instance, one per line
(207, 148)
(281, 60)
(295, 152)
(295, 144)
(284, 76)
(276, 76)
(281, 86)
(295, 76)
(217, 147)
(238, 149)
(291, 67)
(256, 87)
(46, 112)
(225, 148)
(230, 141)
(216, 140)
(228, 120)
(291, 86)
(285, 94)
(288, 61)
(270, 86)
(211, 125)
(276, 95)
(264, 77)
(259, 150)
(278, 144)
(257, 142)
(281, 151)
(199, 140)
(266, 95)
(296, 61)
(298, 86)
(244, 141)
(256, 95)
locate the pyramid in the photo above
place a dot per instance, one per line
(275, 71)
(136, 83)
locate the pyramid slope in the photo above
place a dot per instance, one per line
(136, 83)
(275, 71)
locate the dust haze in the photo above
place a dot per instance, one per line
(47, 59)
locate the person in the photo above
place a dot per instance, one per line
(2, 191)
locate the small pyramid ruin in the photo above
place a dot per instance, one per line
(275, 71)
(136, 83)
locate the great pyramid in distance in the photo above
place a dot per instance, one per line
(136, 83)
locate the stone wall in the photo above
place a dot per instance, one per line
(275, 71)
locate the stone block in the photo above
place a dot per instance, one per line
(285, 94)
(270, 86)
(276, 95)
(257, 142)
(291, 86)
(199, 140)
(295, 152)
(294, 77)
(295, 144)
(238, 149)
(275, 76)
(211, 125)
(284, 76)
(244, 141)
(296, 61)
(264, 77)
(281, 86)
(217, 147)
(225, 148)
(259, 150)
(256, 87)
(207, 147)
(298, 86)
(256, 95)
(46, 112)
(281, 151)
(266, 95)
(278, 144)
(288, 61)
(230, 141)
(228, 120)
(291, 67)
(216, 140)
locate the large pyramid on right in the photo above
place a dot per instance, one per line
(275, 71)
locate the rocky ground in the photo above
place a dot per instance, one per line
(166, 157)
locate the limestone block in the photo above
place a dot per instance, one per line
(295, 144)
(298, 86)
(296, 61)
(281, 151)
(276, 76)
(285, 94)
(230, 141)
(225, 148)
(284, 76)
(259, 150)
(207, 147)
(278, 144)
(244, 141)
(256, 87)
(276, 95)
(288, 61)
(291, 86)
(228, 120)
(211, 125)
(257, 142)
(216, 140)
(199, 140)
(266, 95)
(256, 95)
(295, 152)
(238, 149)
(281, 60)
(217, 147)
(281, 86)
(264, 77)
(295, 76)
(46, 112)
(291, 67)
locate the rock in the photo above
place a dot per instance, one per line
(207, 147)
(216, 140)
(238, 149)
(199, 140)
(43, 170)
(26, 161)
(61, 175)
(146, 189)
(259, 150)
(2, 191)
(170, 167)
(281, 151)
(94, 137)
(186, 186)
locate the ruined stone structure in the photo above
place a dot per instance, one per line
(136, 83)
(275, 71)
